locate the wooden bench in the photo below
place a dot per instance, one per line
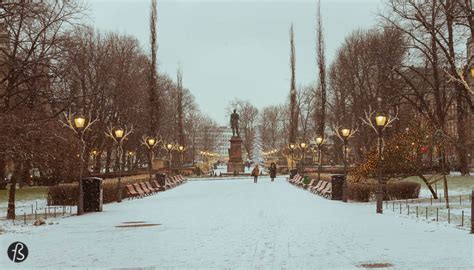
(315, 187)
(327, 192)
(150, 187)
(158, 186)
(131, 192)
(321, 188)
(139, 190)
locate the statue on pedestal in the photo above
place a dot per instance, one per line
(234, 123)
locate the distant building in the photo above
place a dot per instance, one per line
(222, 137)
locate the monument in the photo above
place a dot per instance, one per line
(235, 164)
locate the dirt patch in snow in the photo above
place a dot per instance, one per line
(137, 225)
(375, 265)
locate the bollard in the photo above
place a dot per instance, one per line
(439, 196)
(449, 215)
(64, 210)
(462, 218)
(36, 206)
(54, 211)
(431, 200)
(400, 208)
(437, 214)
(24, 218)
(36, 215)
(45, 213)
(408, 209)
(417, 211)
(426, 212)
(393, 206)
(31, 209)
(70, 209)
(460, 200)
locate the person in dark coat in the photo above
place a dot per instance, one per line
(273, 171)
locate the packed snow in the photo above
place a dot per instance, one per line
(241, 225)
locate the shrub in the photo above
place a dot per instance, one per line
(400, 190)
(66, 194)
(393, 190)
(361, 192)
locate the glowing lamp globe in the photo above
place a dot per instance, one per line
(345, 132)
(119, 133)
(381, 120)
(79, 121)
(151, 141)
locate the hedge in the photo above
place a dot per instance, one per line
(393, 190)
(66, 194)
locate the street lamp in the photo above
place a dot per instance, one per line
(380, 121)
(130, 154)
(181, 150)
(119, 135)
(79, 125)
(169, 147)
(346, 134)
(303, 147)
(319, 144)
(150, 143)
(292, 147)
(472, 72)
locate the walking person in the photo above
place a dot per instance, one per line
(273, 171)
(255, 173)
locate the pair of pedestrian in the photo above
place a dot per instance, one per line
(256, 172)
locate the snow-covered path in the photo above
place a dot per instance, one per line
(239, 224)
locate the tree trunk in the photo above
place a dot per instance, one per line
(461, 120)
(11, 193)
(3, 182)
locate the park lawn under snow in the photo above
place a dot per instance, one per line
(239, 224)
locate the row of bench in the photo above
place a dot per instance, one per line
(146, 188)
(322, 188)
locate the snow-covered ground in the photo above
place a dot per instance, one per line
(241, 225)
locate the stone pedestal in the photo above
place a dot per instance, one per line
(235, 164)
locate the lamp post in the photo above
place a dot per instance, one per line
(303, 147)
(319, 144)
(345, 133)
(292, 147)
(94, 154)
(380, 121)
(169, 147)
(130, 155)
(80, 128)
(150, 143)
(119, 135)
(181, 150)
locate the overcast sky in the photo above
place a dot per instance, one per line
(236, 48)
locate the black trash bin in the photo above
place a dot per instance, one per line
(161, 177)
(293, 172)
(93, 194)
(337, 183)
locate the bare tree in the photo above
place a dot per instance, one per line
(155, 106)
(293, 129)
(320, 116)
